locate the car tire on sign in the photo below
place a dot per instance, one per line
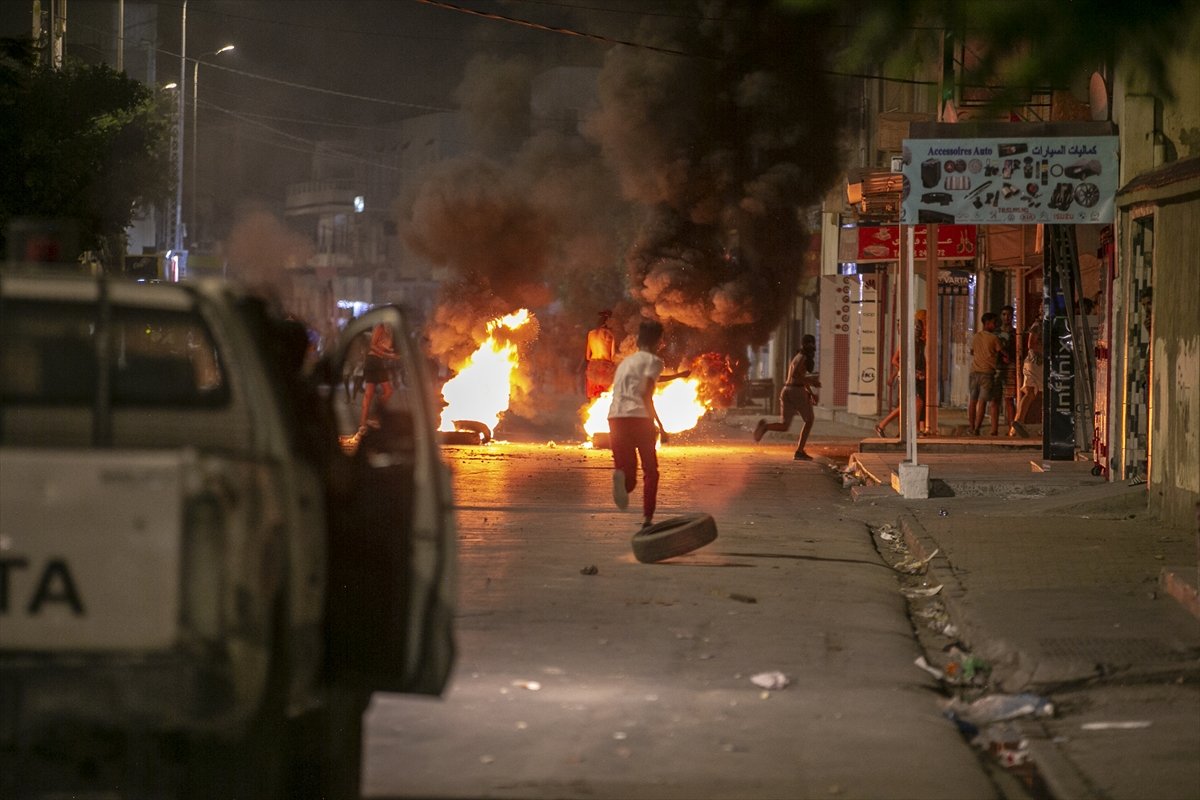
(673, 537)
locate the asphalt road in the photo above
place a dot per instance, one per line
(635, 681)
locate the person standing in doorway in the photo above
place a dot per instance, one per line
(1031, 386)
(919, 353)
(599, 357)
(1006, 365)
(633, 422)
(796, 397)
(985, 352)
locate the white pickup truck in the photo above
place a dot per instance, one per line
(205, 569)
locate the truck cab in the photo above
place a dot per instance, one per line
(202, 556)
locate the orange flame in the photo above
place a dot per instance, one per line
(678, 403)
(481, 388)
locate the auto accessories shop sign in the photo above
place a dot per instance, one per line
(1057, 180)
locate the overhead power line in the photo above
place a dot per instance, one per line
(566, 31)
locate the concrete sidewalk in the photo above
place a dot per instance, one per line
(1065, 586)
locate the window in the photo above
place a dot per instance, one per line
(49, 356)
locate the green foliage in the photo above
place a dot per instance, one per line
(83, 142)
(1021, 43)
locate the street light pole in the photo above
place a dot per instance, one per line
(192, 229)
(177, 245)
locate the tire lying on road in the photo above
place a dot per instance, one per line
(673, 537)
(479, 428)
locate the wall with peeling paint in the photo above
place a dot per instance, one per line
(1174, 483)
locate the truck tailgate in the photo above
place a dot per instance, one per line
(90, 547)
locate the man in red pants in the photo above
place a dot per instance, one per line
(633, 422)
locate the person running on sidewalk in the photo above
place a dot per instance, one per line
(796, 397)
(985, 351)
(633, 420)
(919, 352)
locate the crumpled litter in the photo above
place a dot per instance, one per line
(932, 670)
(928, 591)
(532, 686)
(589, 570)
(771, 680)
(912, 566)
(999, 707)
(1123, 725)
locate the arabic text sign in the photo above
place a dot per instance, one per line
(866, 243)
(1010, 181)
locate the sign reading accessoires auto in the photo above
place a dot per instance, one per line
(1061, 180)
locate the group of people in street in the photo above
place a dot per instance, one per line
(993, 378)
(992, 383)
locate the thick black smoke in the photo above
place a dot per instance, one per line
(681, 200)
(719, 152)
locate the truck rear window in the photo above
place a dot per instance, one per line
(49, 356)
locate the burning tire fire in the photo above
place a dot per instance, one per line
(466, 431)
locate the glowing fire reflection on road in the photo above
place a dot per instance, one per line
(678, 404)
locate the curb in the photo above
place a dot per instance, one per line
(1061, 778)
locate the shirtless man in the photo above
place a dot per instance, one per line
(796, 397)
(599, 358)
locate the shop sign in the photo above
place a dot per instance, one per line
(1062, 180)
(954, 282)
(866, 243)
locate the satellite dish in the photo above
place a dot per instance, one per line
(1098, 97)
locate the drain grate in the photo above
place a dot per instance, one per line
(1111, 650)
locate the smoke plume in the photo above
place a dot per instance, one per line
(677, 194)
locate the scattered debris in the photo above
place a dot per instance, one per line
(1000, 707)
(589, 570)
(928, 591)
(1124, 725)
(913, 566)
(925, 665)
(771, 680)
(742, 598)
(532, 686)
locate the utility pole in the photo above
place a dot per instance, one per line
(177, 243)
(58, 31)
(120, 35)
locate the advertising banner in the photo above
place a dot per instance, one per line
(864, 355)
(865, 244)
(1061, 180)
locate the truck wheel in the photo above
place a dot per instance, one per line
(257, 763)
(673, 537)
(341, 740)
